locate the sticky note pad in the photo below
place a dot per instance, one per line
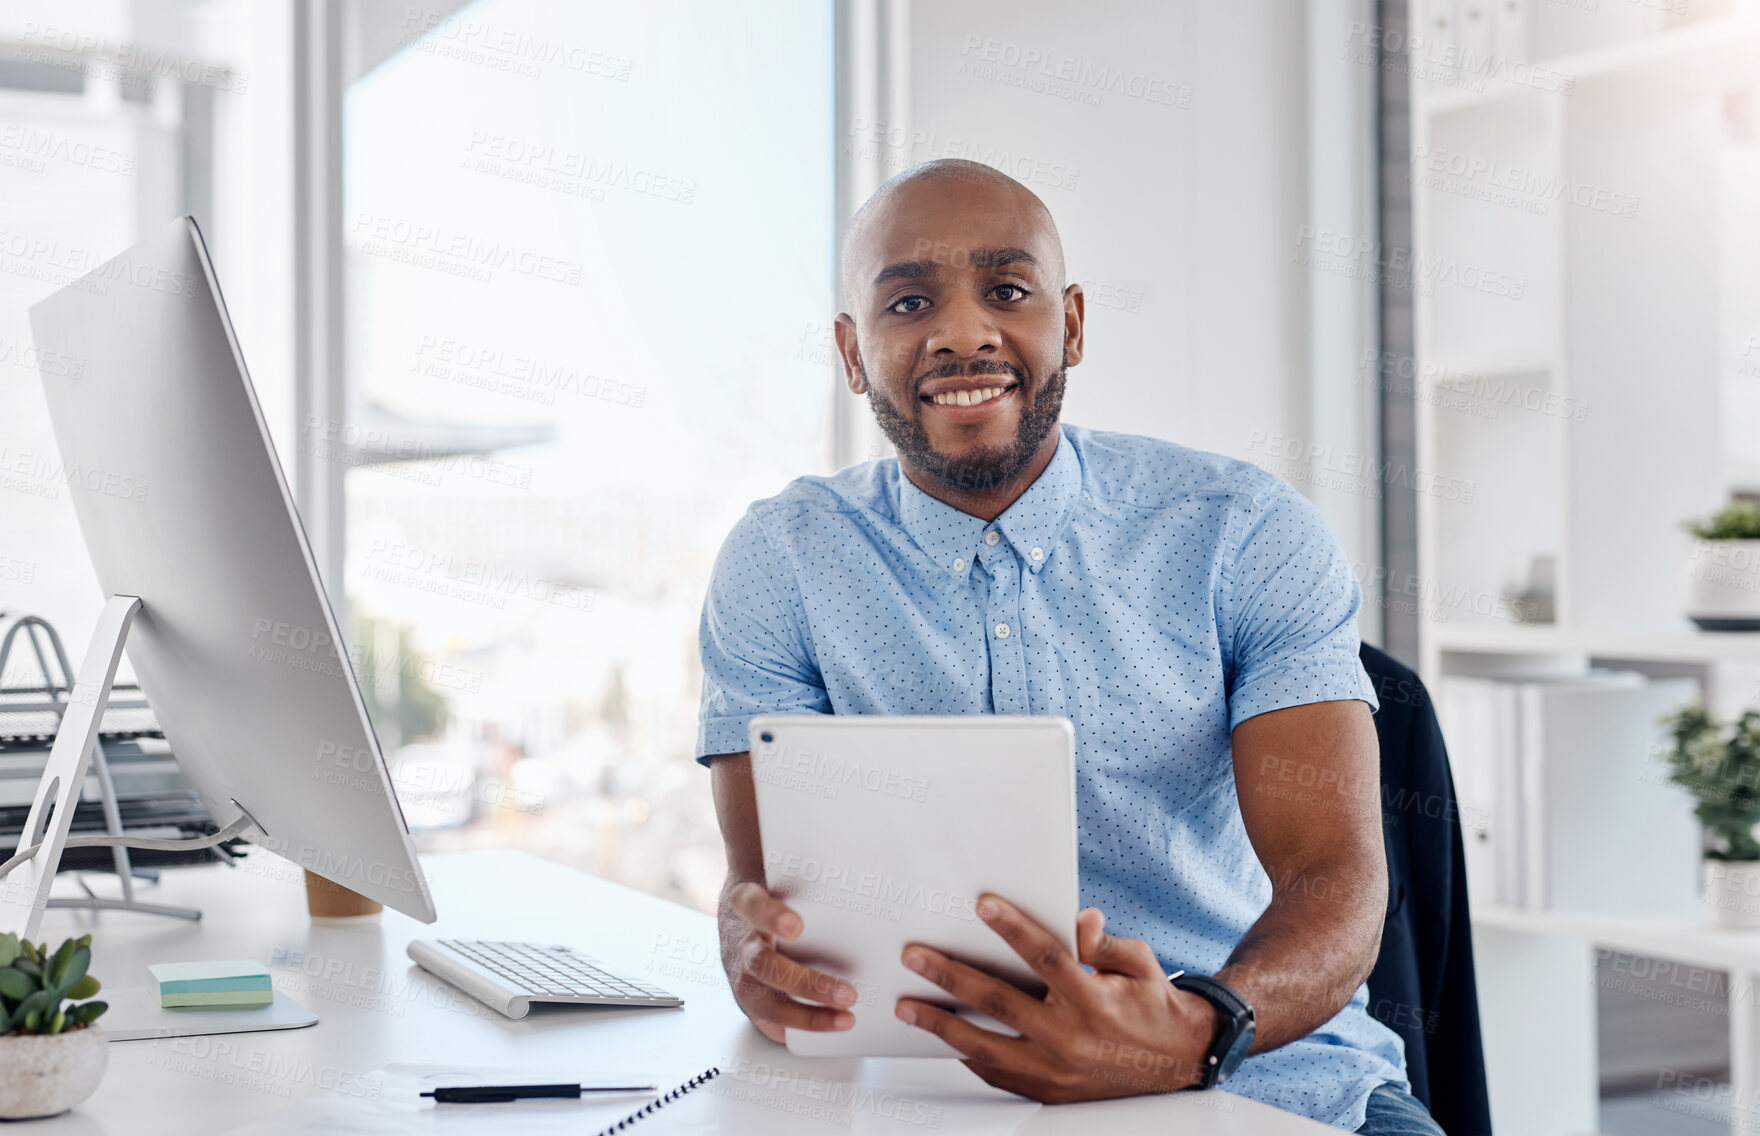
(219, 998)
(230, 982)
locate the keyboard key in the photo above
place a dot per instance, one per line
(555, 972)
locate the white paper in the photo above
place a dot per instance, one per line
(747, 1097)
(389, 1100)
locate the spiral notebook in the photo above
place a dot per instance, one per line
(388, 1102)
(662, 1101)
(737, 1096)
(784, 1099)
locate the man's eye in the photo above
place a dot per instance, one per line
(1016, 292)
(906, 305)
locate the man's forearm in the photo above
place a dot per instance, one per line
(736, 808)
(1304, 958)
(1308, 783)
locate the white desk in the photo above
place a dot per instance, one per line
(376, 1007)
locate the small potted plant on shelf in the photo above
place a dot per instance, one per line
(52, 1056)
(1720, 580)
(1720, 767)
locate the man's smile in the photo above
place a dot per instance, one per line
(966, 403)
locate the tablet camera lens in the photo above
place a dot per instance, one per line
(766, 737)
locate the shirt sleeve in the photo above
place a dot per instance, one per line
(1292, 612)
(757, 658)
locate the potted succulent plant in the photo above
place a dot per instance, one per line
(1720, 767)
(51, 1055)
(1720, 580)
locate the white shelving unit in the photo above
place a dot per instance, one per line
(1684, 643)
(1571, 282)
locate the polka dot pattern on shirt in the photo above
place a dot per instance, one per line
(1154, 595)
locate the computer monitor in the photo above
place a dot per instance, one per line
(183, 504)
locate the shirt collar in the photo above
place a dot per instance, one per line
(1035, 520)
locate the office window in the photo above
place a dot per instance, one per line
(115, 119)
(585, 286)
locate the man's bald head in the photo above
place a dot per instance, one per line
(939, 184)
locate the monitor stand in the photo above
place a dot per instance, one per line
(24, 892)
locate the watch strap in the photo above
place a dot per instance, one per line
(1236, 1015)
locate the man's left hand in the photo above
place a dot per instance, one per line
(1120, 1031)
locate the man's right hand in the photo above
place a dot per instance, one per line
(776, 992)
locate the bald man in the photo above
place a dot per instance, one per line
(1190, 614)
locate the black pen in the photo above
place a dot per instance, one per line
(495, 1094)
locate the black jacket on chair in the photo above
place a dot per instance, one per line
(1422, 987)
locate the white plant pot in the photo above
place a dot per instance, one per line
(1732, 892)
(1720, 584)
(45, 1075)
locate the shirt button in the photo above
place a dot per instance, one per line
(1002, 631)
(1037, 554)
(992, 537)
(959, 565)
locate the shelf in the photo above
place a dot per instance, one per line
(1491, 365)
(1743, 476)
(1711, 55)
(1681, 940)
(1682, 644)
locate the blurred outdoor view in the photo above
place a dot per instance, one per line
(618, 316)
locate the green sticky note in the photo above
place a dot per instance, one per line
(203, 977)
(219, 998)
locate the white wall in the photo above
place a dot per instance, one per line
(1193, 208)
(1180, 178)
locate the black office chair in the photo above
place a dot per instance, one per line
(1422, 986)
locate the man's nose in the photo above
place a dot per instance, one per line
(963, 328)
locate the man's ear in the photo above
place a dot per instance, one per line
(1074, 304)
(845, 331)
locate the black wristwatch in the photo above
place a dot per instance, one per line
(1234, 1035)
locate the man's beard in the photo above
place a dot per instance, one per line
(989, 466)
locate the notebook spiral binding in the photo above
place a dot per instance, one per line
(659, 1103)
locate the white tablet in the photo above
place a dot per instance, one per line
(882, 831)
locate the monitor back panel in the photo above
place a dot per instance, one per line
(182, 502)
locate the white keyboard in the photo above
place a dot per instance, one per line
(509, 977)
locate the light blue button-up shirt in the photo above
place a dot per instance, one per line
(1154, 595)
